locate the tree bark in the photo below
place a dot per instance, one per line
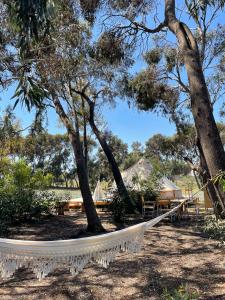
(210, 186)
(123, 193)
(85, 143)
(205, 124)
(94, 223)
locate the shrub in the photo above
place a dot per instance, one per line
(215, 229)
(183, 292)
(119, 207)
(46, 202)
(147, 189)
(147, 194)
(23, 194)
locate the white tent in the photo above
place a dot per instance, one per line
(169, 190)
(141, 171)
(98, 193)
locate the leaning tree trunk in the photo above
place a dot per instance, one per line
(94, 223)
(205, 124)
(85, 142)
(209, 185)
(123, 193)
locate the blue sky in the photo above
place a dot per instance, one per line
(128, 123)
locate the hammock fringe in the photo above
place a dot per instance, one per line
(45, 256)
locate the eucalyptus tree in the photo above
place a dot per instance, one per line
(186, 62)
(191, 55)
(107, 149)
(50, 63)
(22, 23)
(76, 67)
(96, 84)
(119, 150)
(11, 140)
(30, 19)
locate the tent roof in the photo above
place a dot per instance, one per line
(168, 185)
(98, 193)
(143, 169)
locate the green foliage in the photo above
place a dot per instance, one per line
(47, 201)
(170, 56)
(118, 208)
(148, 189)
(151, 92)
(221, 179)
(138, 196)
(105, 44)
(146, 90)
(151, 183)
(100, 167)
(9, 137)
(183, 292)
(215, 229)
(131, 159)
(51, 153)
(198, 8)
(187, 182)
(89, 9)
(172, 152)
(177, 167)
(30, 19)
(29, 93)
(134, 156)
(23, 193)
(19, 176)
(153, 57)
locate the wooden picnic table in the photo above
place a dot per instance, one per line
(78, 203)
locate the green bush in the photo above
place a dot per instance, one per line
(48, 201)
(183, 292)
(215, 229)
(138, 196)
(119, 207)
(147, 189)
(23, 193)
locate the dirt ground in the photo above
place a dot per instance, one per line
(173, 254)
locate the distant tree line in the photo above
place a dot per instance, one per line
(52, 153)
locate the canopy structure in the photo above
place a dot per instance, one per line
(141, 171)
(98, 193)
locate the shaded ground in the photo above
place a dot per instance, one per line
(172, 255)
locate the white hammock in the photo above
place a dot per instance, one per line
(45, 256)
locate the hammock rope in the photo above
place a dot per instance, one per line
(44, 257)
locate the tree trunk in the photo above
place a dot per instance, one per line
(94, 223)
(205, 124)
(210, 187)
(85, 143)
(196, 179)
(77, 183)
(123, 193)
